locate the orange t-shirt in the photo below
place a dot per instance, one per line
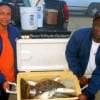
(7, 57)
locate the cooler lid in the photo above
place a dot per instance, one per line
(41, 54)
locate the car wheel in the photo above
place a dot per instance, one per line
(92, 9)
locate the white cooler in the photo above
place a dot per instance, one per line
(43, 58)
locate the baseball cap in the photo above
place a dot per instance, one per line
(97, 15)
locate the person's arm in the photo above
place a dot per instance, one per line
(3, 83)
(83, 97)
(2, 78)
(94, 83)
(16, 32)
(72, 54)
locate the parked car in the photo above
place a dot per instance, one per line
(86, 7)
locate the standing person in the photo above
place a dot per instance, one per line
(83, 57)
(8, 36)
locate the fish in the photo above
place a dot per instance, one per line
(44, 85)
(45, 89)
(25, 89)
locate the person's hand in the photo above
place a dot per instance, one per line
(83, 97)
(5, 85)
(83, 80)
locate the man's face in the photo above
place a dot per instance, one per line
(5, 15)
(96, 30)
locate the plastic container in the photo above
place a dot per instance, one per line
(40, 15)
(28, 18)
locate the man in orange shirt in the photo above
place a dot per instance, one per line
(8, 36)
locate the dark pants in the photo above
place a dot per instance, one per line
(3, 94)
(92, 97)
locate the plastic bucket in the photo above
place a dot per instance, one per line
(28, 18)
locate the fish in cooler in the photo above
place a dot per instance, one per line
(46, 88)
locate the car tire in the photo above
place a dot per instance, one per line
(92, 9)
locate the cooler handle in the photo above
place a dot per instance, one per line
(9, 91)
(84, 87)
